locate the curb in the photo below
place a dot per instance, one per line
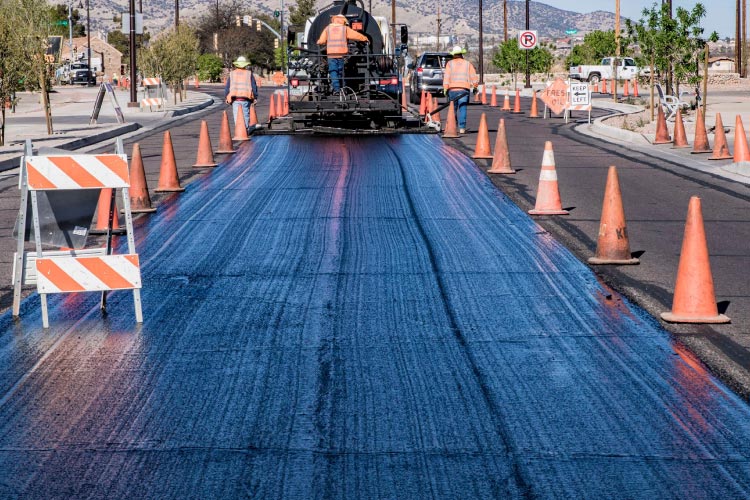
(122, 130)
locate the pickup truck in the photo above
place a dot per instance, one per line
(595, 73)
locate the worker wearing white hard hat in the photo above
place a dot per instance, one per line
(459, 79)
(241, 89)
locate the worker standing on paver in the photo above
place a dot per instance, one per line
(459, 79)
(335, 37)
(241, 89)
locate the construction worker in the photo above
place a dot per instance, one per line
(335, 38)
(241, 89)
(459, 79)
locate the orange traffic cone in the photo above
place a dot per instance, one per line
(253, 122)
(626, 89)
(429, 107)
(240, 132)
(205, 157)
(501, 160)
(423, 104)
(225, 136)
(680, 138)
(534, 107)
(694, 300)
(168, 179)
(662, 134)
(595, 88)
(435, 112)
(197, 82)
(604, 87)
(493, 100)
(700, 143)
(140, 201)
(506, 101)
(477, 97)
(272, 108)
(635, 87)
(548, 194)
(482, 149)
(451, 127)
(517, 103)
(721, 149)
(612, 86)
(613, 246)
(286, 103)
(102, 214)
(741, 152)
(484, 95)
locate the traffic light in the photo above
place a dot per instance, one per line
(275, 43)
(257, 26)
(238, 20)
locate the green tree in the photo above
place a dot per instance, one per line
(673, 43)
(210, 67)
(596, 46)
(24, 27)
(301, 12)
(59, 15)
(173, 56)
(510, 58)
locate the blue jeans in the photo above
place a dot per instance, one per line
(336, 72)
(245, 107)
(460, 105)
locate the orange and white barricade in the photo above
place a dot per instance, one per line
(154, 95)
(74, 270)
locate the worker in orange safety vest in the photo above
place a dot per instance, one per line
(335, 38)
(459, 79)
(241, 89)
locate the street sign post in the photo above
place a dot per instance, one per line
(527, 39)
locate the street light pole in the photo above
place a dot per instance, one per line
(481, 47)
(528, 70)
(133, 82)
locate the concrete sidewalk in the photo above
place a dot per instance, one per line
(72, 107)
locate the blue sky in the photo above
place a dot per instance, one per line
(720, 16)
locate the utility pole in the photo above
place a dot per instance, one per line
(481, 48)
(743, 72)
(393, 20)
(176, 13)
(505, 20)
(88, 43)
(616, 64)
(439, 22)
(738, 39)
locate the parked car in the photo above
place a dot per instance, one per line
(626, 69)
(427, 74)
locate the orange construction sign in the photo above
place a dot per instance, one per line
(556, 96)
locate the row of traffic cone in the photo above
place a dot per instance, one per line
(169, 181)
(720, 151)
(625, 88)
(694, 299)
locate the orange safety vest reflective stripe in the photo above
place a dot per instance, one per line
(336, 45)
(459, 74)
(241, 84)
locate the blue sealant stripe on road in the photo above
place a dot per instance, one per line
(336, 318)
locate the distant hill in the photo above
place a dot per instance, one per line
(420, 15)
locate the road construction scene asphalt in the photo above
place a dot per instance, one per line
(379, 317)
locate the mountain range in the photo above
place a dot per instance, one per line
(459, 17)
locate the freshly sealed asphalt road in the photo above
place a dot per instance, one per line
(358, 318)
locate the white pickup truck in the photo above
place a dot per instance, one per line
(596, 73)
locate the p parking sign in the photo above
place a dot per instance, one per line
(527, 40)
